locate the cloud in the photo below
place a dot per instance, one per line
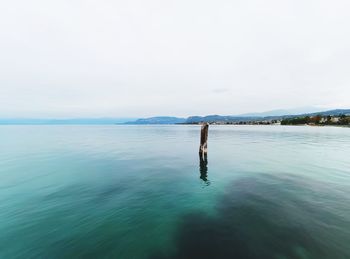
(221, 90)
(137, 58)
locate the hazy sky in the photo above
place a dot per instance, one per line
(135, 58)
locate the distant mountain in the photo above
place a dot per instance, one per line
(189, 120)
(282, 112)
(158, 120)
(238, 118)
(218, 118)
(276, 115)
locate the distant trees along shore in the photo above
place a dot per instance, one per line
(317, 120)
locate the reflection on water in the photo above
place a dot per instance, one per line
(263, 218)
(203, 168)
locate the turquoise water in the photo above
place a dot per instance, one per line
(142, 192)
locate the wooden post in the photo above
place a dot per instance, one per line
(203, 148)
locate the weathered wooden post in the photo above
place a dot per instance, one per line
(203, 147)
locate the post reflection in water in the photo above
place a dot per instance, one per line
(203, 168)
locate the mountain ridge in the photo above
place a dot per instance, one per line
(223, 118)
(164, 119)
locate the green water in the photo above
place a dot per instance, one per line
(142, 192)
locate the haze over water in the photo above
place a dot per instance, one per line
(142, 192)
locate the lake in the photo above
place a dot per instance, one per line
(142, 192)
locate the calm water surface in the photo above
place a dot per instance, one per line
(142, 192)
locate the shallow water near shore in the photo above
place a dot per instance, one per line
(142, 192)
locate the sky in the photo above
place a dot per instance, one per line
(137, 58)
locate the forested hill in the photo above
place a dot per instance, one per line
(230, 119)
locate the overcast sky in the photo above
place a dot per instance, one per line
(136, 58)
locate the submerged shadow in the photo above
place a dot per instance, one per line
(258, 219)
(203, 168)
